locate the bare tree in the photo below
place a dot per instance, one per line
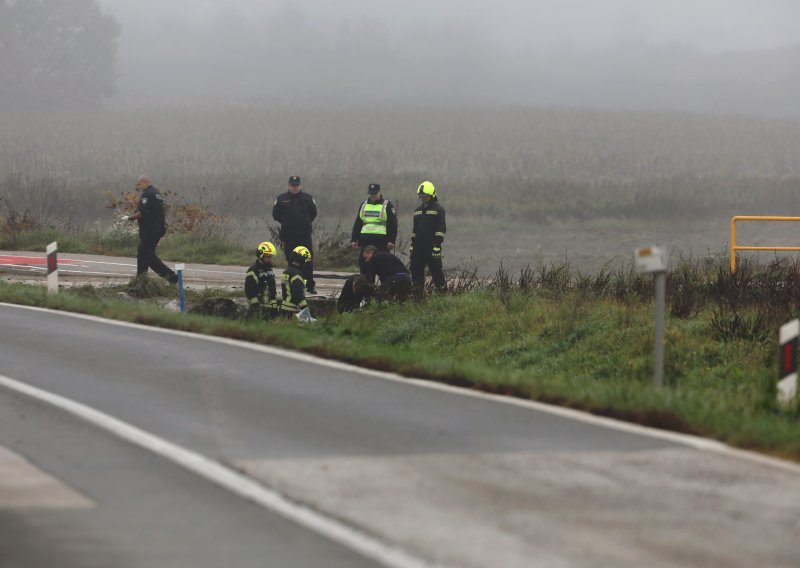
(56, 54)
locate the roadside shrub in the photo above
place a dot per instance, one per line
(332, 248)
(684, 289)
(142, 286)
(180, 216)
(732, 326)
(405, 332)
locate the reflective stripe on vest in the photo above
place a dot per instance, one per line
(374, 217)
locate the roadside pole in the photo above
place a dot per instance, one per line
(179, 268)
(787, 362)
(52, 268)
(652, 260)
(658, 370)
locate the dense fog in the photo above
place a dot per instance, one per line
(721, 56)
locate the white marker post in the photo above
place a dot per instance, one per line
(653, 260)
(179, 268)
(787, 362)
(52, 268)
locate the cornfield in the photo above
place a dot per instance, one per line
(496, 167)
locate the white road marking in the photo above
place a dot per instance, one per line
(697, 442)
(210, 270)
(227, 478)
(103, 262)
(26, 266)
(24, 486)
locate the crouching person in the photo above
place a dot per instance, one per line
(259, 284)
(356, 289)
(394, 276)
(293, 286)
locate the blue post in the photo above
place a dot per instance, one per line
(179, 267)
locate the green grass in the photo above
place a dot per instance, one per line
(581, 349)
(183, 247)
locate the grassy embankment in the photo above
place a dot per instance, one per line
(551, 335)
(581, 341)
(182, 247)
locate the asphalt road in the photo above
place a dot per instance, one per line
(84, 268)
(451, 479)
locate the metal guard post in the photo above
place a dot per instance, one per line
(735, 247)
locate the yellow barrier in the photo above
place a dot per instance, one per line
(735, 247)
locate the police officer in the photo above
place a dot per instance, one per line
(427, 237)
(394, 276)
(259, 284)
(375, 224)
(293, 285)
(295, 211)
(152, 227)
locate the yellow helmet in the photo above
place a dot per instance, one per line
(426, 188)
(265, 249)
(302, 254)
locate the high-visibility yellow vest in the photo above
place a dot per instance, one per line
(374, 218)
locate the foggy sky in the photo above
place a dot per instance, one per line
(501, 51)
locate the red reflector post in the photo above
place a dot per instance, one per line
(52, 262)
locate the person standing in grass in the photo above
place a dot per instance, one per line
(375, 225)
(295, 211)
(152, 227)
(427, 237)
(259, 284)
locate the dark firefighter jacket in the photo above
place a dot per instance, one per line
(293, 290)
(429, 225)
(259, 285)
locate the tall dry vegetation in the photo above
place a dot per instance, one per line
(518, 164)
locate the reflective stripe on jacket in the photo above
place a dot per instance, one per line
(293, 287)
(259, 284)
(429, 225)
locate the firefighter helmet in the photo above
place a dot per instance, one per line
(265, 249)
(426, 188)
(301, 254)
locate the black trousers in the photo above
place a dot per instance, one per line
(422, 256)
(380, 244)
(397, 287)
(146, 257)
(307, 270)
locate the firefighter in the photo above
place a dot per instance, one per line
(394, 276)
(295, 211)
(293, 286)
(259, 284)
(427, 237)
(375, 225)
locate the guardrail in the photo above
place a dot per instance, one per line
(735, 247)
